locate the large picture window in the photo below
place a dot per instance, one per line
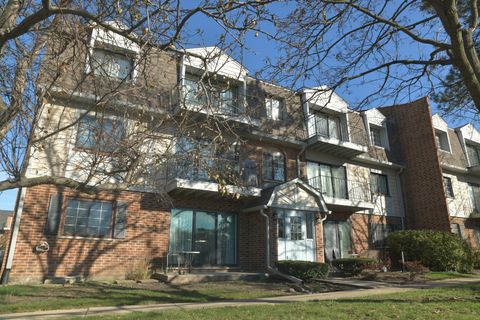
(273, 165)
(88, 218)
(99, 133)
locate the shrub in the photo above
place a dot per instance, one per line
(139, 271)
(308, 271)
(353, 266)
(476, 259)
(436, 250)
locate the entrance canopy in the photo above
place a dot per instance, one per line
(294, 195)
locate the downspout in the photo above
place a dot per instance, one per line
(401, 198)
(304, 147)
(270, 269)
(13, 238)
(267, 237)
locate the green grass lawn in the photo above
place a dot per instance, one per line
(24, 298)
(445, 275)
(441, 303)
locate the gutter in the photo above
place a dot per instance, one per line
(13, 238)
(401, 197)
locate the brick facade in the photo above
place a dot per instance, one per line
(412, 134)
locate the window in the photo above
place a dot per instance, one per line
(441, 140)
(379, 183)
(379, 233)
(296, 228)
(111, 64)
(224, 97)
(474, 197)
(327, 126)
(310, 224)
(281, 227)
(447, 184)
(88, 218)
(330, 180)
(456, 229)
(102, 134)
(376, 136)
(274, 108)
(473, 153)
(273, 166)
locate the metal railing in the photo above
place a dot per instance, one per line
(212, 101)
(212, 169)
(327, 127)
(341, 188)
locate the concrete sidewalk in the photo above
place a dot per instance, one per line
(236, 303)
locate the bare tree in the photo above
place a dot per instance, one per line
(49, 71)
(393, 50)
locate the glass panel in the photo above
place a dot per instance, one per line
(276, 112)
(226, 239)
(313, 174)
(330, 240)
(296, 228)
(281, 226)
(326, 180)
(267, 166)
(111, 64)
(88, 218)
(340, 182)
(279, 167)
(473, 155)
(345, 237)
(322, 125)
(310, 224)
(334, 127)
(205, 238)
(181, 230)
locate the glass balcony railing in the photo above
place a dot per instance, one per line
(341, 188)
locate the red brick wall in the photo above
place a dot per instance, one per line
(411, 132)
(147, 236)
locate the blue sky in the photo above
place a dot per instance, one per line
(252, 56)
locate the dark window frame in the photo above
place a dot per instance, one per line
(448, 187)
(378, 189)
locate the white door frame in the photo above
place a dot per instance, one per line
(292, 249)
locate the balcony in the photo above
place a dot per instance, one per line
(343, 194)
(209, 175)
(331, 137)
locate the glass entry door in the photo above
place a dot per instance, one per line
(337, 239)
(212, 234)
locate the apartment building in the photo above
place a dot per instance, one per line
(297, 175)
(441, 182)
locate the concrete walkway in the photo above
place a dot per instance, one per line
(357, 293)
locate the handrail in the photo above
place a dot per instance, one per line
(341, 188)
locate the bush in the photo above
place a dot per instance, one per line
(476, 260)
(308, 271)
(139, 271)
(353, 266)
(436, 250)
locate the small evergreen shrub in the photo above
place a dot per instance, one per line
(353, 266)
(308, 271)
(436, 250)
